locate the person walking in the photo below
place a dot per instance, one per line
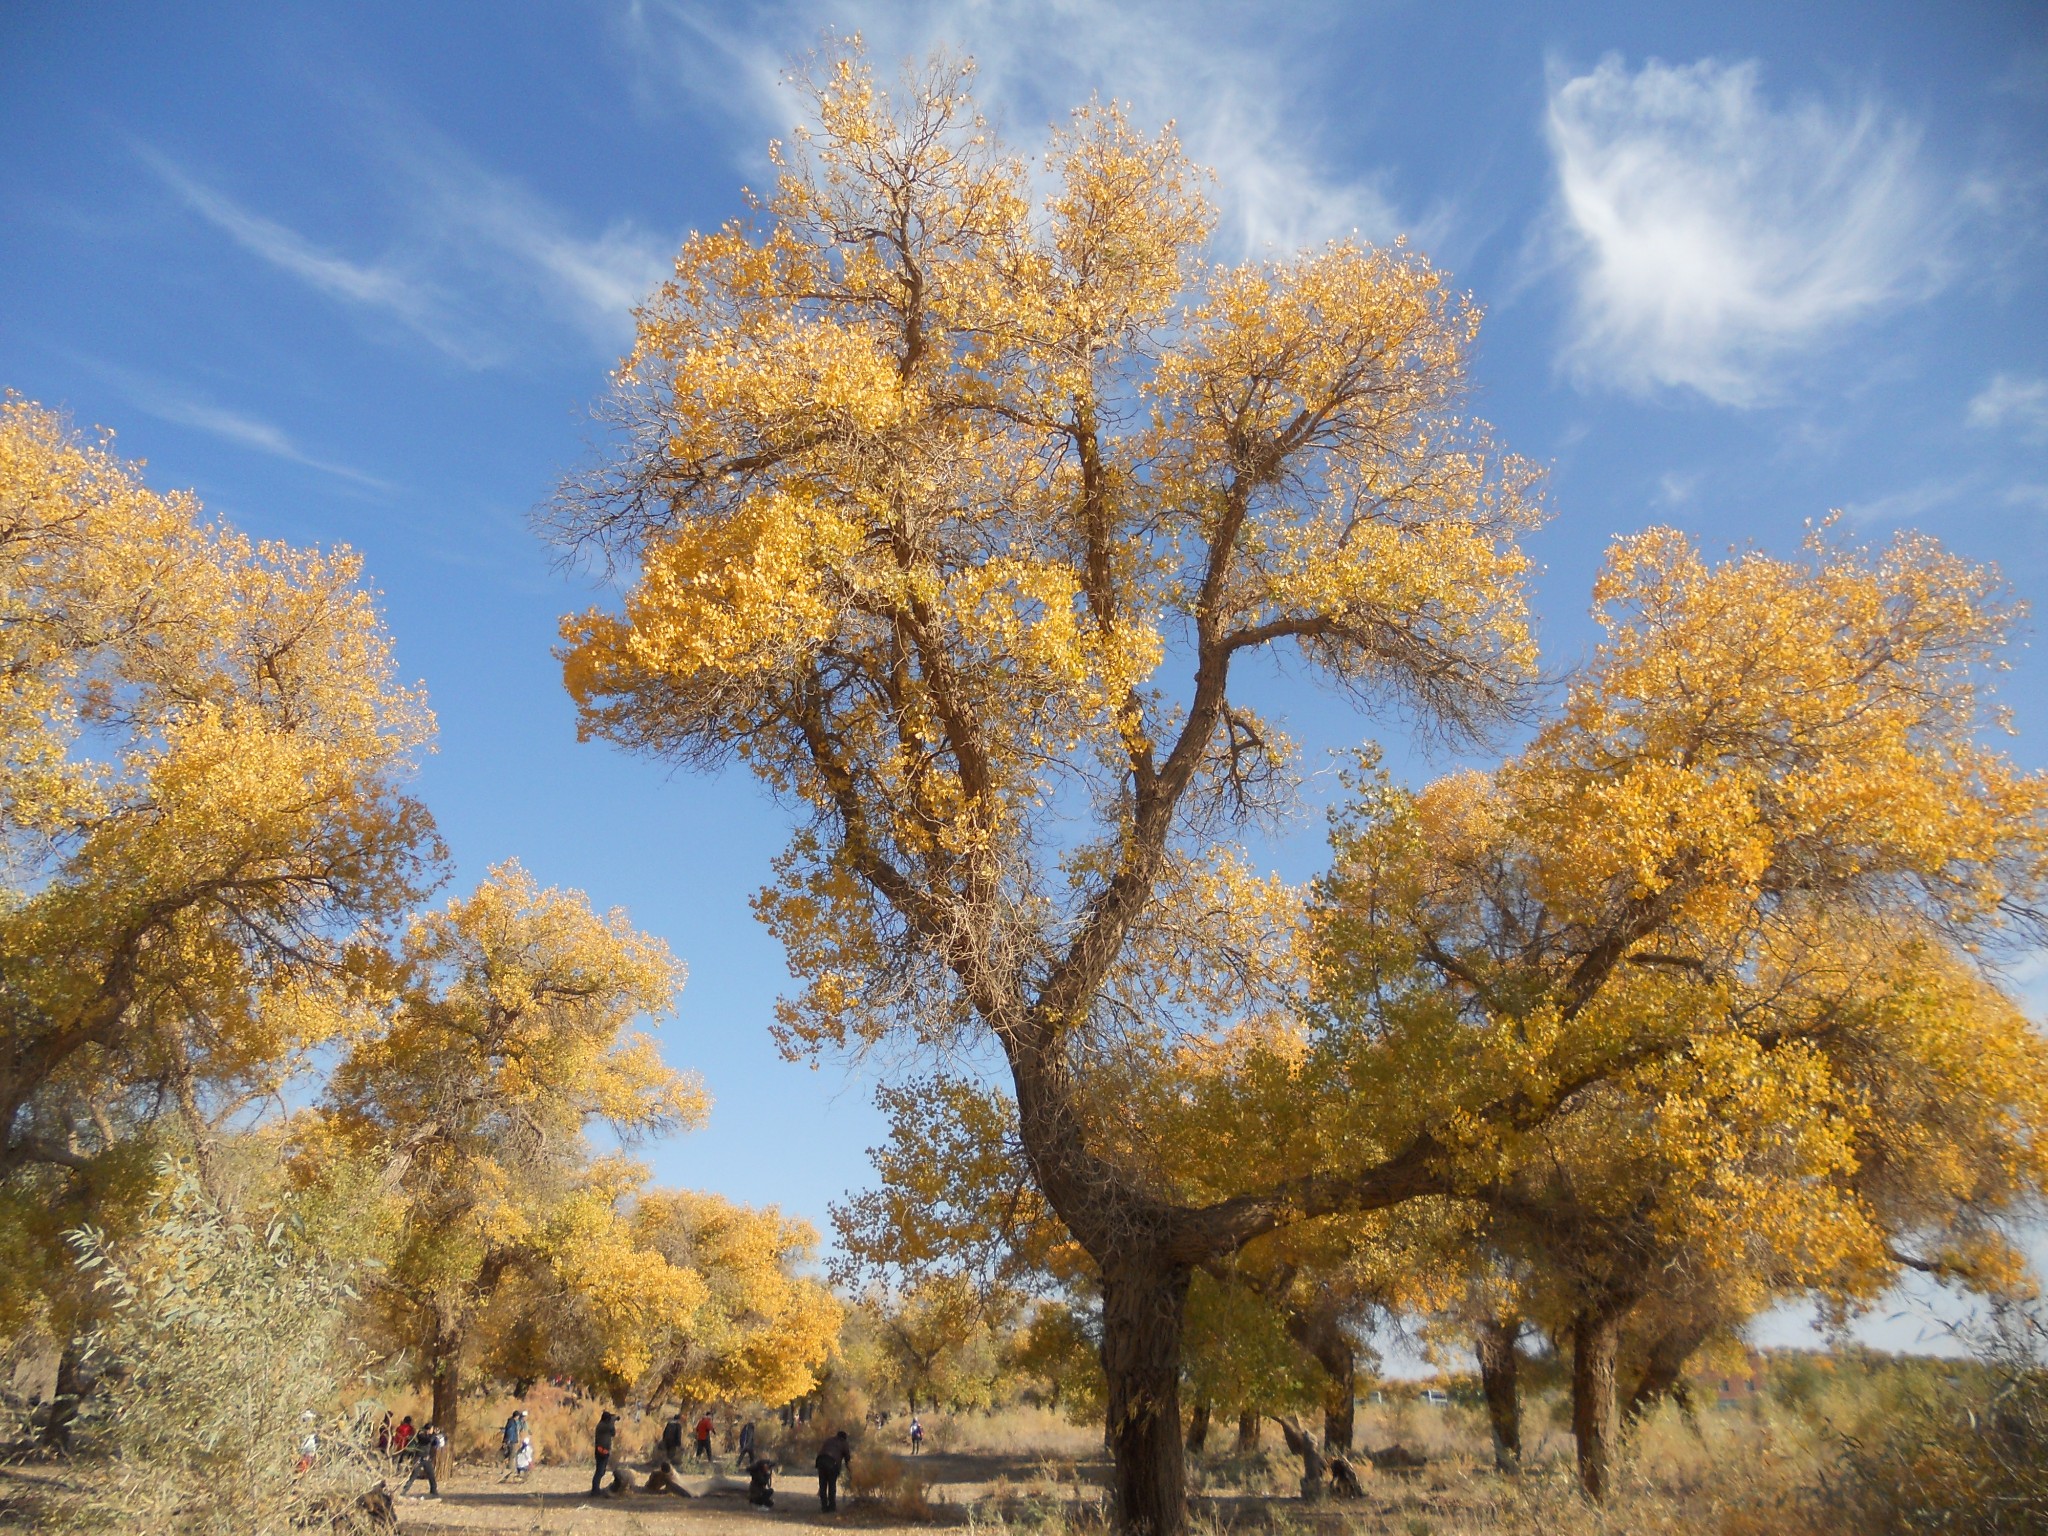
(916, 1434)
(426, 1450)
(704, 1437)
(672, 1442)
(747, 1445)
(522, 1459)
(833, 1456)
(607, 1435)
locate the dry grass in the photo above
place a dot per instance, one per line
(1024, 1430)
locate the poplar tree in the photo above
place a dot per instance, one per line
(964, 524)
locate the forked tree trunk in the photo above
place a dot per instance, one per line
(1143, 1309)
(1596, 1338)
(1500, 1382)
(1247, 1433)
(1198, 1428)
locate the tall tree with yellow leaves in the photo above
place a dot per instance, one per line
(204, 823)
(512, 1031)
(1696, 920)
(931, 497)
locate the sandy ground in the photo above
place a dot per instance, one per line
(557, 1499)
(1020, 1488)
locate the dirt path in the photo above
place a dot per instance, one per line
(557, 1499)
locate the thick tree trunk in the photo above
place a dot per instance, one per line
(1338, 1414)
(444, 1358)
(1247, 1433)
(1198, 1428)
(1143, 1309)
(1596, 1337)
(1500, 1382)
(1340, 1363)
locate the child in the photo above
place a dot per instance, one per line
(522, 1459)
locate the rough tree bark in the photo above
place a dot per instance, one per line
(1198, 1428)
(1340, 1363)
(1596, 1339)
(1247, 1433)
(1500, 1382)
(444, 1361)
(1143, 1310)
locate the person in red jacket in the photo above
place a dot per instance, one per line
(704, 1438)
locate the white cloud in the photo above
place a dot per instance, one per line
(1913, 502)
(2009, 401)
(511, 239)
(471, 253)
(1678, 489)
(1236, 85)
(1712, 235)
(172, 403)
(234, 427)
(406, 298)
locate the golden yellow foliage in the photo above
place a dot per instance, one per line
(203, 819)
(512, 1030)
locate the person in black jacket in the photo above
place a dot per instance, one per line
(425, 1450)
(607, 1434)
(833, 1456)
(761, 1483)
(672, 1442)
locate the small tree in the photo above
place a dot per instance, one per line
(225, 1344)
(511, 1032)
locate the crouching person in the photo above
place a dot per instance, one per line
(761, 1484)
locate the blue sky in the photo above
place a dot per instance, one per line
(356, 274)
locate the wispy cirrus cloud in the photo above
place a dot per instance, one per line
(1711, 235)
(1915, 501)
(471, 257)
(406, 297)
(248, 431)
(187, 407)
(2011, 401)
(1236, 84)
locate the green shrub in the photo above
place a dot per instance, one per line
(220, 1337)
